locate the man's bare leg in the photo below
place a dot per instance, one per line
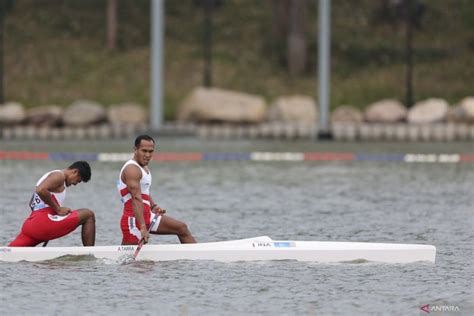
(87, 220)
(171, 226)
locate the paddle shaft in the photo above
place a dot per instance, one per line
(142, 240)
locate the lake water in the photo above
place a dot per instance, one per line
(396, 202)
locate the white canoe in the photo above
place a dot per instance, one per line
(251, 249)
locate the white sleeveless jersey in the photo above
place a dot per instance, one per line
(145, 184)
(36, 203)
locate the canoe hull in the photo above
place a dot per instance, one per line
(252, 249)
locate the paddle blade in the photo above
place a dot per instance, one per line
(129, 258)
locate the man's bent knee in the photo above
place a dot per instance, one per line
(86, 215)
(183, 229)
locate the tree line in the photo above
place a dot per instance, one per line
(289, 38)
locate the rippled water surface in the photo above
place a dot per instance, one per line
(333, 201)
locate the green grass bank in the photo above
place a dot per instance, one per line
(55, 52)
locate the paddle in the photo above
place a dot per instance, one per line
(142, 241)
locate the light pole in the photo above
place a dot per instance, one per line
(157, 56)
(324, 62)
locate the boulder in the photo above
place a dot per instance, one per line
(385, 111)
(456, 114)
(467, 104)
(347, 114)
(83, 113)
(12, 113)
(218, 105)
(48, 115)
(428, 111)
(127, 113)
(294, 109)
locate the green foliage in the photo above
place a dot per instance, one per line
(55, 52)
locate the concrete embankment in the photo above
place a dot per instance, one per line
(343, 132)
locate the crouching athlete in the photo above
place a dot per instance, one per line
(49, 219)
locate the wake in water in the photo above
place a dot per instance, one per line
(126, 259)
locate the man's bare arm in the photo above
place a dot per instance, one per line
(53, 182)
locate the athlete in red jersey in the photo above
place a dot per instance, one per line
(49, 219)
(138, 210)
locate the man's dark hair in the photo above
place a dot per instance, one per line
(83, 168)
(139, 139)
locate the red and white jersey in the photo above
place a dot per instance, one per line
(36, 203)
(145, 184)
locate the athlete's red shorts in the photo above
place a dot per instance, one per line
(44, 225)
(131, 229)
